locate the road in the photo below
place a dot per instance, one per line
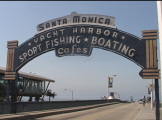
(124, 111)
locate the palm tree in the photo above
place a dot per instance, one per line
(50, 94)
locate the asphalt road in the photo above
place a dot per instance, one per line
(113, 112)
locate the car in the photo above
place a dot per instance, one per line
(140, 101)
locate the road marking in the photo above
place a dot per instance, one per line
(138, 114)
(104, 112)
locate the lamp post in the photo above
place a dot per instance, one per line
(110, 81)
(71, 93)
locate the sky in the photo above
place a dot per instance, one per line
(87, 77)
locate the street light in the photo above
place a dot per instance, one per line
(71, 92)
(110, 79)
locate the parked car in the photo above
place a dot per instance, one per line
(140, 101)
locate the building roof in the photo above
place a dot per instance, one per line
(29, 75)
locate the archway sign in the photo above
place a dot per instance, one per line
(78, 34)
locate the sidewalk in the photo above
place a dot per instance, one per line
(146, 113)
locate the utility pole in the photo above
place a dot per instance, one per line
(159, 13)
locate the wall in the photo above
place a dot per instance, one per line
(38, 106)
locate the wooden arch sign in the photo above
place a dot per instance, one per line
(78, 34)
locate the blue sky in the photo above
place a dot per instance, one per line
(86, 76)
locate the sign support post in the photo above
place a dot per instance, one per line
(151, 70)
(11, 75)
